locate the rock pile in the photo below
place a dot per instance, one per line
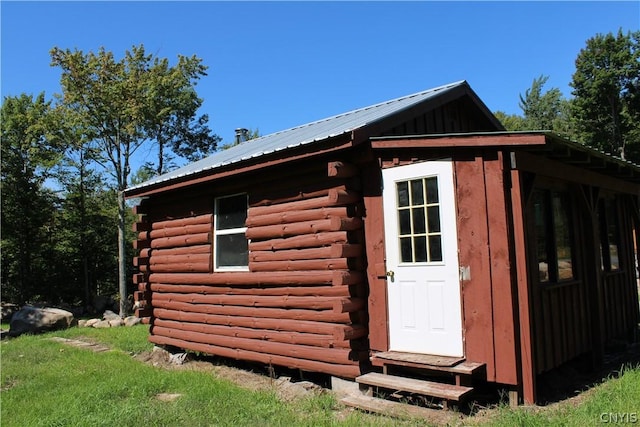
(109, 320)
(34, 320)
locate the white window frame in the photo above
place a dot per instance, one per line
(226, 232)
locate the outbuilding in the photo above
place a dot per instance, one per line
(415, 233)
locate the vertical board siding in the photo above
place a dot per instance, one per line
(473, 246)
(502, 293)
(561, 329)
(484, 242)
(302, 304)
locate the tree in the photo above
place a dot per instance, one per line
(28, 208)
(121, 105)
(511, 122)
(173, 103)
(606, 89)
(541, 111)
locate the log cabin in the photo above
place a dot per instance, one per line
(412, 234)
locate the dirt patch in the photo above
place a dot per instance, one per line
(95, 347)
(168, 397)
(286, 387)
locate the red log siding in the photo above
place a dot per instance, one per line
(302, 303)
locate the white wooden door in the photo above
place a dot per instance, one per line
(423, 284)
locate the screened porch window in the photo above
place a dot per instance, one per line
(231, 248)
(554, 236)
(609, 234)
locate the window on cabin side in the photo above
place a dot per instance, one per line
(231, 248)
(609, 234)
(554, 237)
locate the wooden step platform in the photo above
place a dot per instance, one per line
(453, 365)
(448, 392)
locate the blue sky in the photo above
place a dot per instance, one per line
(275, 65)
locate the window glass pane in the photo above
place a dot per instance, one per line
(433, 213)
(420, 248)
(419, 225)
(403, 193)
(432, 190)
(232, 250)
(540, 224)
(404, 217)
(612, 234)
(435, 248)
(562, 232)
(231, 212)
(417, 192)
(405, 249)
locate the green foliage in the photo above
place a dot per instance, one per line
(113, 107)
(28, 208)
(606, 89)
(511, 122)
(173, 103)
(541, 111)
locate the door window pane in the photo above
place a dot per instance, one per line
(435, 248)
(419, 225)
(403, 193)
(420, 248)
(406, 249)
(432, 190)
(417, 192)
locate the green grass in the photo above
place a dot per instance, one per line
(617, 397)
(47, 383)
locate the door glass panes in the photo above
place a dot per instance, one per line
(418, 207)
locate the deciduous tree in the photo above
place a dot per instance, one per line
(123, 104)
(606, 90)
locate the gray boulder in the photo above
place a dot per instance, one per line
(132, 321)
(36, 320)
(110, 315)
(101, 324)
(7, 311)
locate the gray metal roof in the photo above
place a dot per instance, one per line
(311, 132)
